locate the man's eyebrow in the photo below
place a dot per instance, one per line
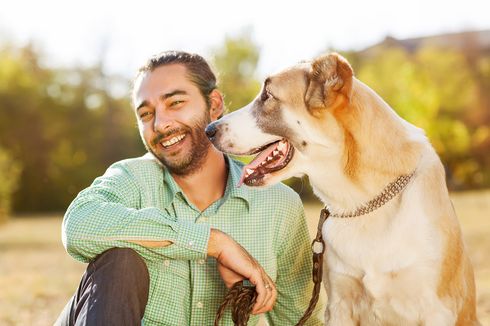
(142, 104)
(163, 97)
(173, 93)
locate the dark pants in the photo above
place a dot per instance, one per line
(113, 291)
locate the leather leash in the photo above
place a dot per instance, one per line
(242, 298)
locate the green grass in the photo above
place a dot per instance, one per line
(37, 277)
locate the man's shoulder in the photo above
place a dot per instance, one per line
(139, 165)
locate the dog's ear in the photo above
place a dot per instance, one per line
(330, 82)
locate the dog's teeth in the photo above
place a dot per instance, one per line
(269, 158)
(249, 171)
(275, 152)
(281, 146)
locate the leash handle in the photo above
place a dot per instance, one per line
(241, 298)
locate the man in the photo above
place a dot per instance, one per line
(164, 232)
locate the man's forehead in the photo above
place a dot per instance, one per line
(160, 81)
(164, 74)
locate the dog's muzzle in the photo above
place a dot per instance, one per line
(211, 131)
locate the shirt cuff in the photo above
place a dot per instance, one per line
(194, 237)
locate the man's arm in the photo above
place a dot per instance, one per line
(294, 267)
(107, 215)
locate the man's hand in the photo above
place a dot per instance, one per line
(236, 264)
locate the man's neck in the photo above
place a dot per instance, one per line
(207, 185)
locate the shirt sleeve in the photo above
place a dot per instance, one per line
(294, 268)
(107, 215)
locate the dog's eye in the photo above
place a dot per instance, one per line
(266, 95)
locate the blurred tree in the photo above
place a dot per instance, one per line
(236, 65)
(9, 177)
(64, 125)
(433, 89)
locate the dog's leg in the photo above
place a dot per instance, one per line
(344, 300)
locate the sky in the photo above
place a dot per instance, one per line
(125, 33)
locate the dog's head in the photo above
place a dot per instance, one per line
(288, 121)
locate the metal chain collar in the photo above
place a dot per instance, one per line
(388, 193)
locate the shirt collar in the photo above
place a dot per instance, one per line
(234, 173)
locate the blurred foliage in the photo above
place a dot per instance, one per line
(62, 127)
(9, 177)
(235, 63)
(443, 92)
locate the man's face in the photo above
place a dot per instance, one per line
(172, 115)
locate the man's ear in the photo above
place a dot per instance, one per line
(330, 82)
(216, 105)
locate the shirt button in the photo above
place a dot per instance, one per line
(201, 261)
(166, 262)
(190, 243)
(200, 305)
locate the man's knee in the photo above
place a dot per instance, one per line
(113, 291)
(120, 270)
(124, 262)
(120, 286)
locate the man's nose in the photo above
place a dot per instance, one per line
(211, 130)
(162, 121)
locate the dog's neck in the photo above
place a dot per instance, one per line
(378, 148)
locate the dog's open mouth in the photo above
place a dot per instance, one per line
(273, 158)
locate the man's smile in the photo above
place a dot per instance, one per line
(172, 141)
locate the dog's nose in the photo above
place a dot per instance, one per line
(211, 130)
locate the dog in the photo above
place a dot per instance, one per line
(394, 248)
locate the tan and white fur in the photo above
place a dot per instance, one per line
(402, 264)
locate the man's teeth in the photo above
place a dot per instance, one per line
(173, 140)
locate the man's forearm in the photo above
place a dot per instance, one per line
(217, 240)
(93, 225)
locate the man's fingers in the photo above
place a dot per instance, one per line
(270, 296)
(261, 293)
(271, 300)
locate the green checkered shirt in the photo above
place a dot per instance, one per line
(137, 199)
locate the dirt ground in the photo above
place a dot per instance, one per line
(37, 277)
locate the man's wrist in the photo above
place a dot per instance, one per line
(216, 242)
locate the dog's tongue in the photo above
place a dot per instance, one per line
(256, 161)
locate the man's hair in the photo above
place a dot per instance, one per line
(198, 70)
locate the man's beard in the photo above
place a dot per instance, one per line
(192, 161)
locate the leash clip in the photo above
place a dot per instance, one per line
(318, 247)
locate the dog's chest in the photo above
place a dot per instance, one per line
(378, 242)
(389, 258)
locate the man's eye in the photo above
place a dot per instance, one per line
(174, 103)
(145, 115)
